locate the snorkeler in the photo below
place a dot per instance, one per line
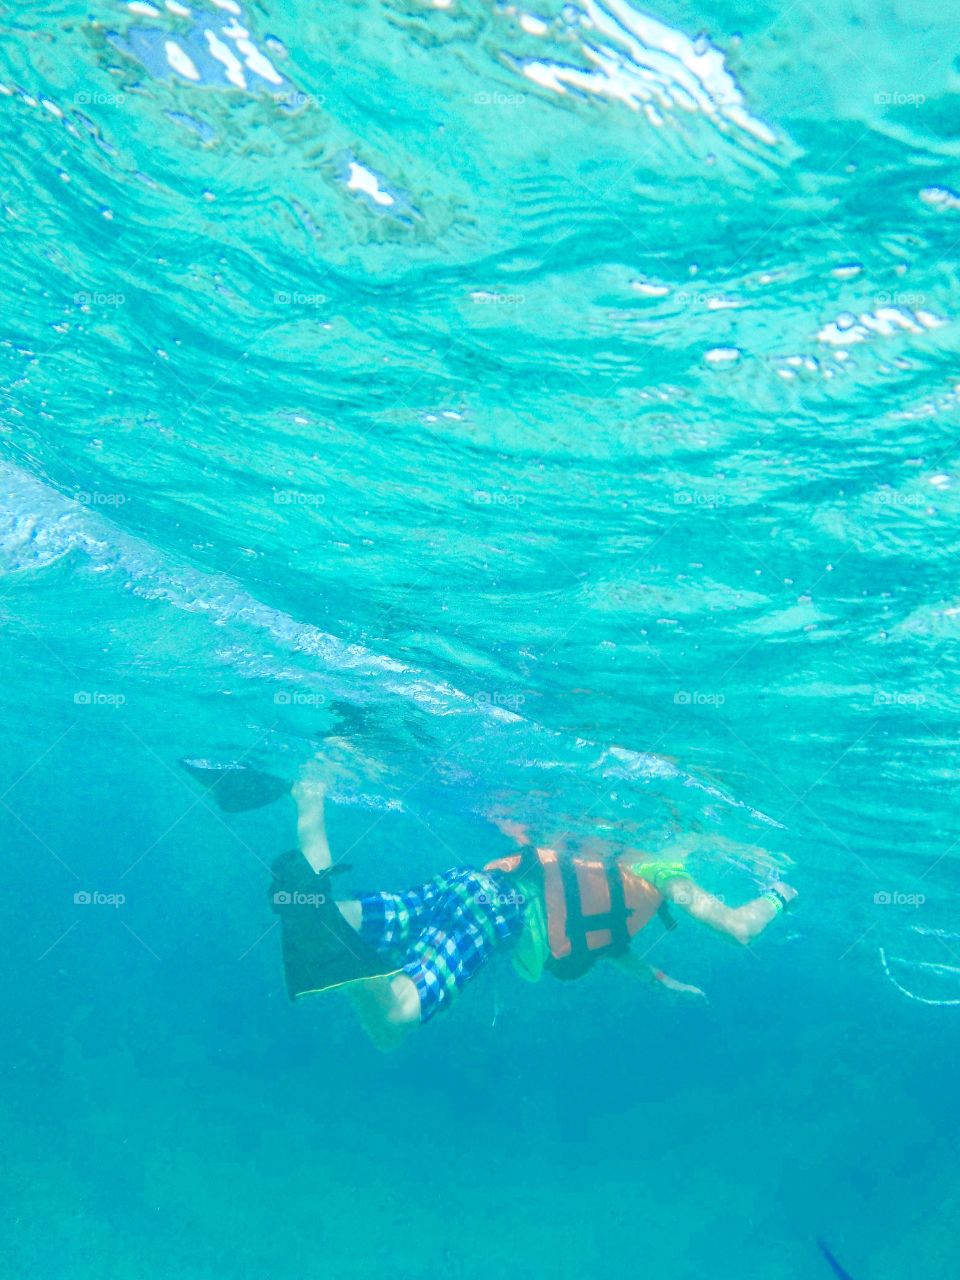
(403, 957)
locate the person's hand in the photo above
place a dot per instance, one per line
(684, 988)
(786, 891)
(511, 829)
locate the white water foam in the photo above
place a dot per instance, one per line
(39, 526)
(647, 64)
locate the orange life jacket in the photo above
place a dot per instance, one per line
(592, 908)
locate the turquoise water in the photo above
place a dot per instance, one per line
(559, 409)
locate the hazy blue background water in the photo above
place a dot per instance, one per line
(560, 408)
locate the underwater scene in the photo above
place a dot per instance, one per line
(479, 496)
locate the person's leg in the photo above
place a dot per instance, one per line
(474, 914)
(447, 928)
(388, 922)
(387, 1008)
(383, 920)
(309, 794)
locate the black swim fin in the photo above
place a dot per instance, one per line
(237, 787)
(320, 950)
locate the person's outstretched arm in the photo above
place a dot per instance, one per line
(639, 968)
(742, 924)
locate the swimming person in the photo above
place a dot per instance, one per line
(402, 957)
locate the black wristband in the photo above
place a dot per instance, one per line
(785, 902)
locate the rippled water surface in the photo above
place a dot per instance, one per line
(558, 407)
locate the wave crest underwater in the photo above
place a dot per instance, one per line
(563, 405)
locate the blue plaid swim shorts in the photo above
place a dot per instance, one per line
(445, 930)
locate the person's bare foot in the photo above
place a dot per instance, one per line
(387, 1008)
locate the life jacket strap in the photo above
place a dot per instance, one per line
(576, 923)
(580, 924)
(666, 916)
(619, 932)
